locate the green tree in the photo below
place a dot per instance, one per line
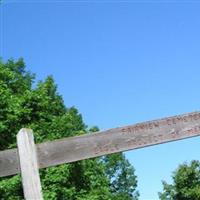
(186, 183)
(42, 109)
(121, 175)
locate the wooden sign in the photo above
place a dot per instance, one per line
(106, 142)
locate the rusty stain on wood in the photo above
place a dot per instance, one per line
(106, 142)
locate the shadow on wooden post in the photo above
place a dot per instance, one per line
(29, 165)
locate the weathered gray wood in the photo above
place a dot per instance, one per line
(106, 142)
(9, 163)
(28, 165)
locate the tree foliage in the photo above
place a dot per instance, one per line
(121, 175)
(42, 109)
(186, 183)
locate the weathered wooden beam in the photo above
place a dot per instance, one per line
(106, 142)
(29, 165)
(9, 163)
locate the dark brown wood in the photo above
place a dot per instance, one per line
(106, 142)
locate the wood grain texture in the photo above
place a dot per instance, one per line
(29, 165)
(9, 162)
(111, 141)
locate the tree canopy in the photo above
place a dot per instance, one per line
(40, 107)
(186, 183)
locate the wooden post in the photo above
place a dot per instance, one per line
(28, 165)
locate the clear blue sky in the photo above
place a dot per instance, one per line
(118, 62)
